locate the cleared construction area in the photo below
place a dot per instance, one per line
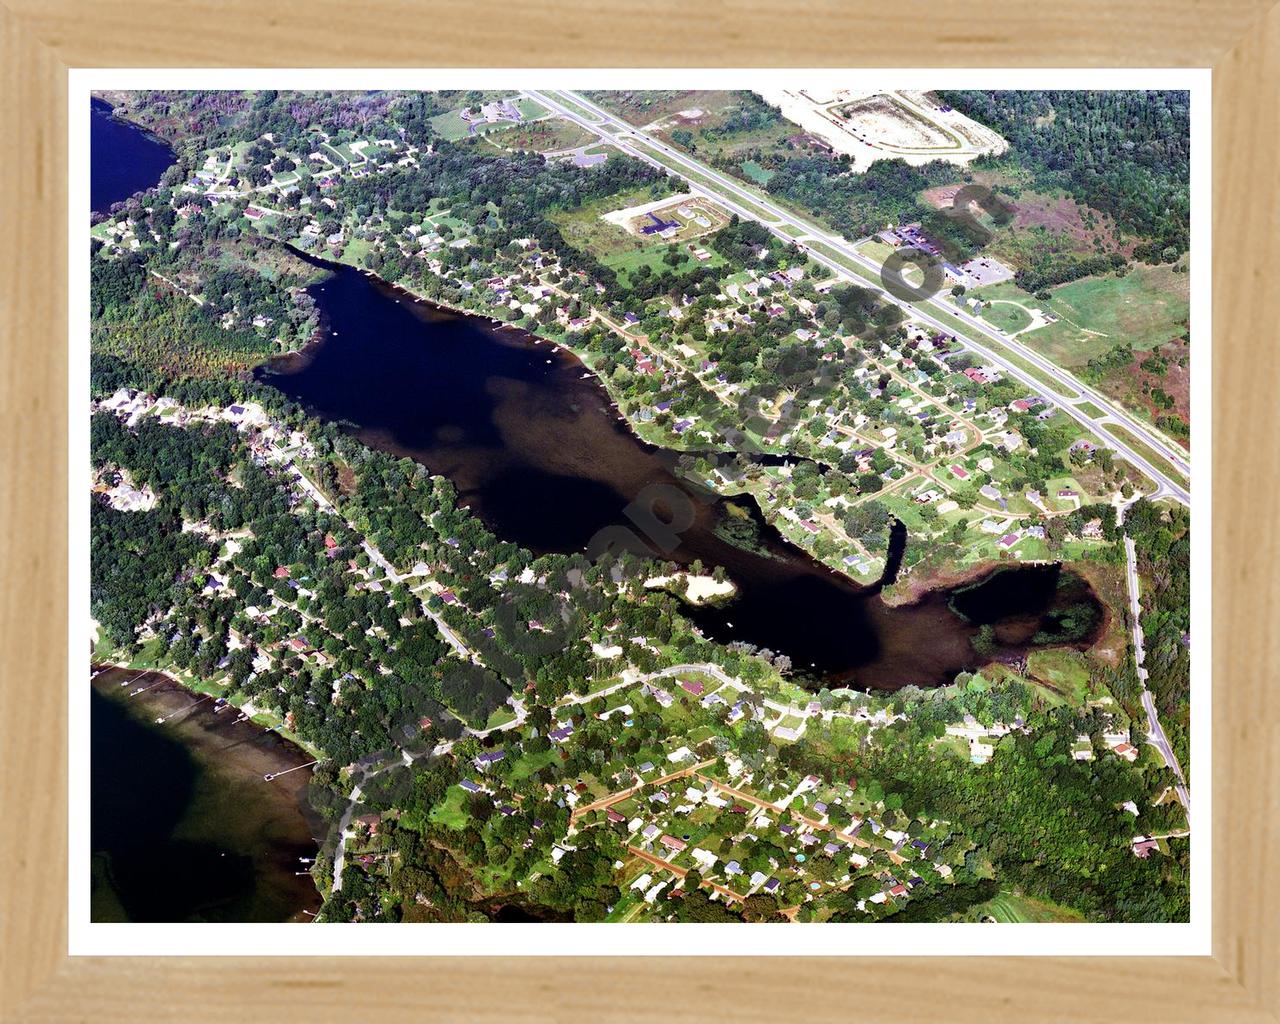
(869, 126)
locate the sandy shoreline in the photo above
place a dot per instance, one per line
(272, 821)
(167, 697)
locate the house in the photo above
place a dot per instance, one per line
(693, 687)
(470, 786)
(561, 734)
(1142, 847)
(489, 757)
(614, 816)
(672, 843)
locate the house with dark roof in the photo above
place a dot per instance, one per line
(489, 757)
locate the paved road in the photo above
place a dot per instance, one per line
(380, 560)
(739, 200)
(1155, 732)
(340, 853)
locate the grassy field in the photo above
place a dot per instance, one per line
(1064, 672)
(1007, 316)
(451, 812)
(450, 126)
(1152, 456)
(1008, 908)
(332, 153)
(531, 108)
(756, 173)
(545, 136)
(1147, 307)
(652, 257)
(640, 107)
(584, 227)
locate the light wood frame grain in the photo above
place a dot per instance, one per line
(41, 39)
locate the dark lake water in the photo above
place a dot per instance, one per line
(534, 446)
(124, 159)
(183, 826)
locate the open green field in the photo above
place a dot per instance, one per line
(1008, 908)
(1089, 409)
(333, 154)
(1147, 307)
(348, 154)
(585, 227)
(451, 126)
(452, 810)
(355, 251)
(500, 716)
(737, 144)
(756, 173)
(652, 257)
(545, 136)
(531, 108)
(1064, 672)
(1007, 316)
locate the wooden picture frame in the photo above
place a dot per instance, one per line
(41, 39)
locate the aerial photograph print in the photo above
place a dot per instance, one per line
(565, 505)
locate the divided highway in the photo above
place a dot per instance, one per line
(781, 222)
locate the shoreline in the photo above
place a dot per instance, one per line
(271, 821)
(378, 290)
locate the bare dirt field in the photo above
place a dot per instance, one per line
(892, 125)
(870, 126)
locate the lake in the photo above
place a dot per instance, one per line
(535, 447)
(124, 159)
(183, 826)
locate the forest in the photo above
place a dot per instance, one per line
(1126, 153)
(855, 204)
